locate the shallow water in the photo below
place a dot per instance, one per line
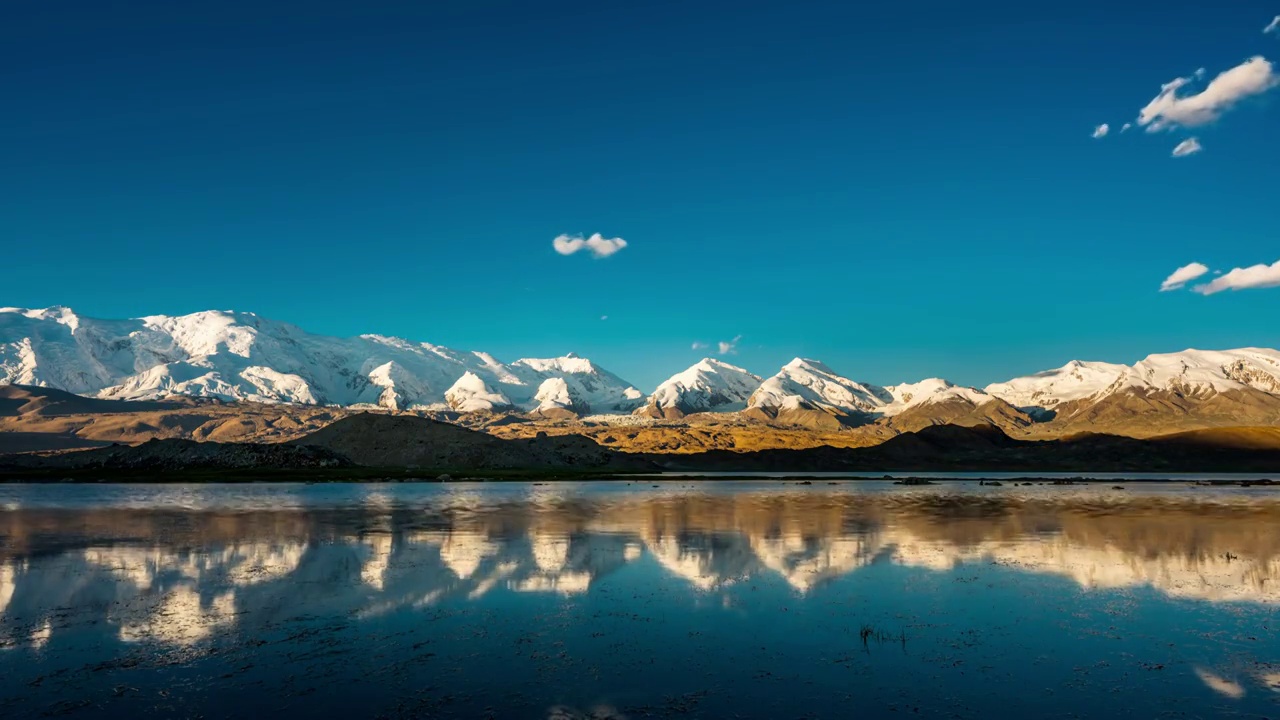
(662, 599)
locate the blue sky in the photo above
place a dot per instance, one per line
(903, 190)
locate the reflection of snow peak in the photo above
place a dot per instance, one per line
(564, 583)
(375, 566)
(550, 551)
(186, 596)
(1222, 686)
(259, 562)
(8, 583)
(1216, 578)
(692, 564)
(464, 552)
(804, 564)
(181, 618)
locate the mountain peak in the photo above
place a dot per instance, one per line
(805, 383)
(930, 390)
(707, 385)
(715, 364)
(809, 364)
(60, 313)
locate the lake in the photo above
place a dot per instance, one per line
(646, 599)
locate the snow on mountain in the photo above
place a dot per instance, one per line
(555, 396)
(1074, 381)
(587, 386)
(240, 356)
(1204, 372)
(708, 386)
(472, 394)
(932, 390)
(1190, 373)
(809, 383)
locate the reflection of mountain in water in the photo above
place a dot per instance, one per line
(180, 577)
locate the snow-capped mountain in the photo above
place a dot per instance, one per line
(1074, 381)
(930, 391)
(808, 384)
(1193, 374)
(1201, 372)
(810, 393)
(708, 386)
(470, 393)
(240, 356)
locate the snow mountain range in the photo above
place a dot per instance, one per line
(240, 356)
(1190, 373)
(803, 392)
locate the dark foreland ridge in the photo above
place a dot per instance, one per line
(365, 444)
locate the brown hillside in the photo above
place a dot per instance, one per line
(1244, 438)
(18, 400)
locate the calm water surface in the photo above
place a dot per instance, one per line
(643, 600)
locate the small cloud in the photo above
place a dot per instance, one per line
(729, 347)
(1274, 27)
(1251, 77)
(1183, 275)
(698, 345)
(1125, 127)
(598, 245)
(1101, 131)
(1190, 146)
(604, 317)
(1255, 276)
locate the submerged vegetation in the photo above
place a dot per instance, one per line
(871, 634)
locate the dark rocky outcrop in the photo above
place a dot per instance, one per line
(176, 455)
(988, 448)
(375, 440)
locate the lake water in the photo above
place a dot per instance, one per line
(639, 600)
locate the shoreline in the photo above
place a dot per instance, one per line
(414, 476)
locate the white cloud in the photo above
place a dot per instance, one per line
(1256, 276)
(1190, 146)
(604, 317)
(1251, 77)
(1125, 127)
(598, 245)
(729, 347)
(1101, 131)
(1183, 275)
(697, 345)
(1274, 27)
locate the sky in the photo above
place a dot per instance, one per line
(900, 190)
